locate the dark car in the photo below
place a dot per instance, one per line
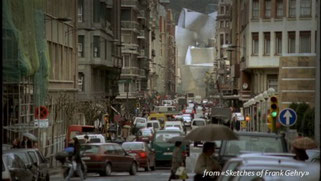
(144, 155)
(41, 162)
(252, 142)
(163, 149)
(26, 158)
(17, 168)
(104, 158)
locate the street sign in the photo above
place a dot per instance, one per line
(41, 123)
(288, 117)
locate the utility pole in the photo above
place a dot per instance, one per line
(317, 87)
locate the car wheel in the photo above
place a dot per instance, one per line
(133, 169)
(107, 170)
(147, 168)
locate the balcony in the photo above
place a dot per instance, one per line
(141, 14)
(142, 54)
(142, 73)
(130, 72)
(130, 48)
(129, 25)
(130, 3)
(141, 35)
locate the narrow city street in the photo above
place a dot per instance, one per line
(157, 175)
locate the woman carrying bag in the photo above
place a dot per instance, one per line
(178, 160)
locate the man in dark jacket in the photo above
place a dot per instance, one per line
(76, 161)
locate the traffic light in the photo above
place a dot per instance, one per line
(274, 111)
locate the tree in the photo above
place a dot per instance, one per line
(307, 125)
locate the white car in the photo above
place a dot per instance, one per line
(140, 122)
(93, 138)
(198, 122)
(187, 119)
(153, 124)
(177, 124)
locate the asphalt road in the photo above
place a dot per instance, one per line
(157, 175)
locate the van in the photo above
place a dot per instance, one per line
(167, 102)
(140, 122)
(197, 122)
(177, 124)
(161, 117)
(74, 130)
(155, 124)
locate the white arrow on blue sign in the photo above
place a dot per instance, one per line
(288, 117)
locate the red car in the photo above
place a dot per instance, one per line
(144, 155)
(105, 158)
(145, 134)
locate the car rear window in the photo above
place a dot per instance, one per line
(198, 123)
(155, 125)
(253, 144)
(92, 149)
(133, 146)
(164, 137)
(23, 157)
(95, 140)
(33, 156)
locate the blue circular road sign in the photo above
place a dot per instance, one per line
(288, 117)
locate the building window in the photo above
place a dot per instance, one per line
(272, 81)
(227, 39)
(221, 39)
(292, 8)
(305, 42)
(80, 10)
(305, 8)
(255, 43)
(96, 49)
(137, 86)
(81, 81)
(126, 87)
(222, 9)
(278, 43)
(81, 41)
(227, 24)
(291, 42)
(106, 49)
(126, 61)
(279, 8)
(267, 43)
(267, 8)
(255, 9)
(96, 11)
(221, 24)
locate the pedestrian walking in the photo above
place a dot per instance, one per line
(86, 137)
(16, 143)
(206, 163)
(178, 160)
(76, 161)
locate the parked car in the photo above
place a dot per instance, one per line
(177, 124)
(93, 138)
(140, 122)
(104, 158)
(162, 148)
(144, 155)
(255, 163)
(252, 142)
(41, 162)
(28, 161)
(17, 168)
(198, 122)
(155, 124)
(145, 134)
(5, 176)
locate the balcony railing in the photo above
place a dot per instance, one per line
(141, 35)
(142, 54)
(129, 25)
(141, 14)
(129, 3)
(130, 71)
(142, 73)
(130, 48)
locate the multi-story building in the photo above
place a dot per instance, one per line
(267, 31)
(99, 51)
(41, 72)
(135, 35)
(171, 55)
